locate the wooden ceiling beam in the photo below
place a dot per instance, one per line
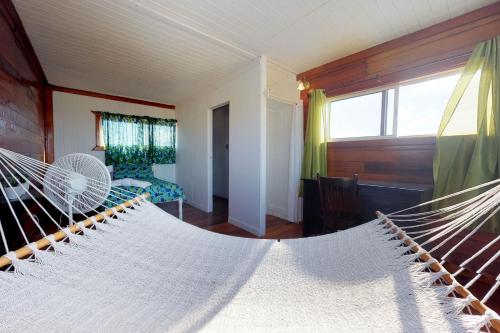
(111, 97)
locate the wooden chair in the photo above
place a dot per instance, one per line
(338, 202)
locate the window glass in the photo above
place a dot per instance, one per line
(464, 120)
(356, 116)
(421, 105)
(411, 109)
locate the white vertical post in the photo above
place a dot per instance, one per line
(180, 208)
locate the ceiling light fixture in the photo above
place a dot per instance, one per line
(303, 85)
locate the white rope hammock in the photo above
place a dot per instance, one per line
(136, 268)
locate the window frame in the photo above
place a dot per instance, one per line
(99, 133)
(99, 139)
(384, 105)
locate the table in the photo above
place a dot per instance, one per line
(386, 197)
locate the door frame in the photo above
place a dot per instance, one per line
(210, 161)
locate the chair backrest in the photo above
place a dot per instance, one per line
(338, 196)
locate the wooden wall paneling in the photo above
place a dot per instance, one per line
(21, 88)
(10, 17)
(448, 43)
(305, 106)
(49, 125)
(406, 160)
(442, 45)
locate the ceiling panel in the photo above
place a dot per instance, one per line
(168, 50)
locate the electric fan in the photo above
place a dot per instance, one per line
(77, 182)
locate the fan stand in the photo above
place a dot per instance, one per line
(77, 184)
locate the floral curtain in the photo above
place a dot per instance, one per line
(138, 140)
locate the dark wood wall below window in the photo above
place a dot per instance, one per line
(403, 160)
(21, 88)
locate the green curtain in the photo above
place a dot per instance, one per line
(464, 160)
(315, 142)
(138, 140)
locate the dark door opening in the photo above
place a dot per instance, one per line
(220, 160)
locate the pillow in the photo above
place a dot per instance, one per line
(131, 182)
(136, 171)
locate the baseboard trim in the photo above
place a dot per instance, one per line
(280, 212)
(240, 224)
(196, 205)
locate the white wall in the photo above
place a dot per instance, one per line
(247, 146)
(74, 125)
(282, 85)
(279, 121)
(220, 138)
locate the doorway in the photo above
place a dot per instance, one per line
(220, 158)
(279, 127)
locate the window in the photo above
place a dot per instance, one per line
(421, 105)
(135, 140)
(99, 139)
(406, 110)
(363, 112)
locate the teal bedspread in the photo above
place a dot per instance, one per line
(160, 190)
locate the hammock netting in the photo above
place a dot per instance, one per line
(137, 268)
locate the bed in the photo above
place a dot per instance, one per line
(139, 179)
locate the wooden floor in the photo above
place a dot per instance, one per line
(217, 221)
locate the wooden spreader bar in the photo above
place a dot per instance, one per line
(60, 235)
(437, 267)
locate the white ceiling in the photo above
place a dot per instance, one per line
(167, 50)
